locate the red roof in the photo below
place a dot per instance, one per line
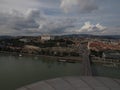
(103, 46)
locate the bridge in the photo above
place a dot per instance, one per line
(87, 71)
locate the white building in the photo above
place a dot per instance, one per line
(47, 37)
(111, 55)
(24, 40)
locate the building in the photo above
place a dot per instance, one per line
(24, 40)
(111, 55)
(101, 46)
(47, 37)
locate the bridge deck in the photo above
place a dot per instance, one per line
(87, 71)
(75, 83)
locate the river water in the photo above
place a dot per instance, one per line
(17, 71)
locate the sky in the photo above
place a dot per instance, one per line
(59, 17)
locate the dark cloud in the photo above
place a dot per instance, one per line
(33, 22)
(58, 26)
(25, 24)
(33, 14)
(18, 21)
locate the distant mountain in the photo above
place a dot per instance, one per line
(93, 36)
(6, 37)
(77, 35)
(112, 36)
(72, 36)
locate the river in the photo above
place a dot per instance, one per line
(17, 71)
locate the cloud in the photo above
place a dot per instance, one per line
(91, 28)
(21, 5)
(84, 6)
(17, 21)
(33, 17)
(33, 22)
(58, 26)
(21, 21)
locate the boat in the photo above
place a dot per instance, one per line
(69, 61)
(62, 60)
(20, 55)
(110, 65)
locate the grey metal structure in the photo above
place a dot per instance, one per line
(75, 83)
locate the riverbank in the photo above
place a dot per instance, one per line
(69, 59)
(60, 59)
